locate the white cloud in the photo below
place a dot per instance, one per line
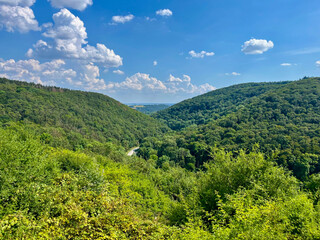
(90, 78)
(75, 4)
(69, 36)
(256, 46)
(175, 85)
(56, 72)
(142, 82)
(119, 72)
(286, 64)
(155, 63)
(33, 71)
(201, 54)
(139, 81)
(16, 15)
(164, 12)
(22, 3)
(122, 19)
(318, 63)
(233, 74)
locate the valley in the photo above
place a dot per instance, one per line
(242, 160)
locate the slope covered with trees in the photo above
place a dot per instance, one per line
(213, 105)
(78, 115)
(51, 193)
(283, 120)
(189, 184)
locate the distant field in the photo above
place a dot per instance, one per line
(149, 108)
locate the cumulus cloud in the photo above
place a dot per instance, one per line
(119, 72)
(22, 3)
(67, 40)
(139, 81)
(233, 74)
(33, 71)
(256, 46)
(16, 15)
(122, 19)
(318, 63)
(90, 78)
(144, 82)
(201, 54)
(56, 72)
(155, 63)
(75, 4)
(175, 85)
(164, 12)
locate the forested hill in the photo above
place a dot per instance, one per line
(75, 114)
(213, 105)
(283, 120)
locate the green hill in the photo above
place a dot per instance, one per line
(96, 191)
(77, 115)
(282, 118)
(213, 105)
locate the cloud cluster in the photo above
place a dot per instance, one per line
(201, 54)
(256, 46)
(68, 41)
(144, 82)
(175, 85)
(55, 72)
(90, 78)
(16, 15)
(139, 81)
(122, 19)
(74, 4)
(33, 71)
(164, 12)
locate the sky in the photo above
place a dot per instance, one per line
(158, 51)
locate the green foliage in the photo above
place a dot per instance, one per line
(72, 181)
(213, 105)
(227, 174)
(74, 115)
(283, 118)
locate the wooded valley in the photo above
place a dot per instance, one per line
(241, 162)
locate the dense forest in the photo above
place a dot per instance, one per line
(213, 105)
(75, 114)
(280, 119)
(249, 170)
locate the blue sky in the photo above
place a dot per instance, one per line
(158, 51)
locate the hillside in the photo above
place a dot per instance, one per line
(75, 114)
(283, 120)
(212, 105)
(49, 193)
(98, 192)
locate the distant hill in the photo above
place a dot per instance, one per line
(75, 114)
(282, 118)
(213, 105)
(149, 108)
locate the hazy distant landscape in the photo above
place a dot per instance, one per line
(149, 108)
(159, 120)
